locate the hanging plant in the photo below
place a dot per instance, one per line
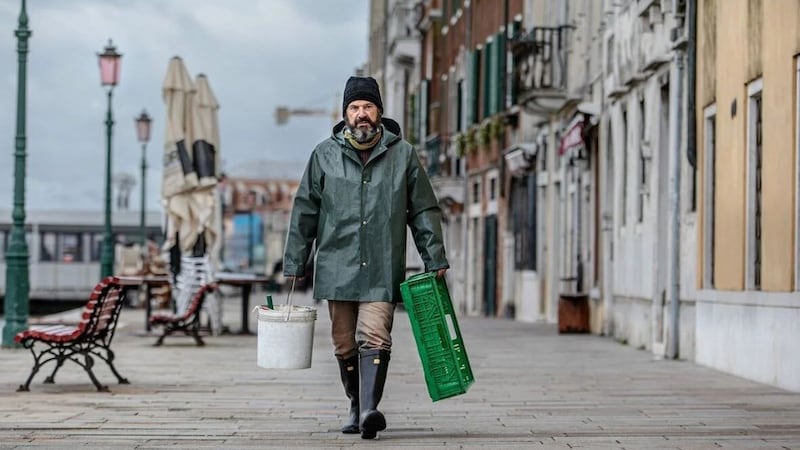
(461, 144)
(471, 139)
(484, 134)
(498, 127)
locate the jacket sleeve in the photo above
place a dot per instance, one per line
(304, 220)
(425, 217)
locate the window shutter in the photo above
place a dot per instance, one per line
(488, 64)
(500, 90)
(424, 108)
(413, 132)
(474, 87)
(460, 106)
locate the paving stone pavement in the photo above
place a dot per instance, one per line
(534, 389)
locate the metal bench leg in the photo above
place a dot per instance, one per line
(27, 385)
(52, 378)
(109, 359)
(37, 364)
(196, 335)
(88, 368)
(168, 329)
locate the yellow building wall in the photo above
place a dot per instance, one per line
(750, 39)
(780, 33)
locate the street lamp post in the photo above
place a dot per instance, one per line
(110, 62)
(143, 134)
(17, 277)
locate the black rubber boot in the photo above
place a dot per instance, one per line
(373, 367)
(348, 368)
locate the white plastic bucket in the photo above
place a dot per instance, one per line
(285, 344)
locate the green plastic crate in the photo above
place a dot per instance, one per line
(433, 322)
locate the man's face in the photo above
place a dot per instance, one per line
(362, 114)
(363, 120)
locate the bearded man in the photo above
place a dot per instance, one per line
(363, 186)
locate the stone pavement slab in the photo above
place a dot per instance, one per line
(534, 389)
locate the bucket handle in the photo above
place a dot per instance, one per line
(289, 301)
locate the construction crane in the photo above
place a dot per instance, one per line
(283, 113)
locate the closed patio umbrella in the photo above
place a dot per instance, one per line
(205, 154)
(179, 176)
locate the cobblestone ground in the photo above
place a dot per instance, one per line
(534, 389)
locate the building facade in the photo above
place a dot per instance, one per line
(606, 152)
(748, 123)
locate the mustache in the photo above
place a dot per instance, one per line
(367, 121)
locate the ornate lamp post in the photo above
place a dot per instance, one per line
(17, 278)
(110, 62)
(143, 134)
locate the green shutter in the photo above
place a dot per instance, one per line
(487, 80)
(474, 87)
(414, 128)
(501, 71)
(494, 81)
(460, 106)
(424, 108)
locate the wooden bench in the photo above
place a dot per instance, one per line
(189, 321)
(79, 343)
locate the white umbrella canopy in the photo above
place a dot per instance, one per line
(179, 176)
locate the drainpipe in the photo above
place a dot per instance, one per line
(465, 213)
(675, 202)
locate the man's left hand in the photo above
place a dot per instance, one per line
(440, 273)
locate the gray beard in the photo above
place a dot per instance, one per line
(363, 136)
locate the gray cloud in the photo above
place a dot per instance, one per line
(257, 54)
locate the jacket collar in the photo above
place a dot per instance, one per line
(391, 135)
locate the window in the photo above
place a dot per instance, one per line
(48, 247)
(95, 246)
(476, 192)
(3, 244)
(624, 155)
(642, 161)
(424, 91)
(541, 155)
(460, 106)
(754, 207)
(70, 247)
(709, 205)
(493, 189)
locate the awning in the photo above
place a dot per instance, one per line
(573, 137)
(587, 115)
(518, 157)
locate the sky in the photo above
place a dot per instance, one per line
(257, 55)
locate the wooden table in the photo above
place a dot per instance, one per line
(149, 282)
(246, 282)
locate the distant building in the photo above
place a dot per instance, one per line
(64, 248)
(257, 203)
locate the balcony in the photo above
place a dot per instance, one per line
(539, 81)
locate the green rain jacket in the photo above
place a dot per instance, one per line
(358, 215)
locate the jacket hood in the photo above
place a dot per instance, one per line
(394, 132)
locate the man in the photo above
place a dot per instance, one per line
(361, 188)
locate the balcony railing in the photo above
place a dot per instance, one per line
(540, 66)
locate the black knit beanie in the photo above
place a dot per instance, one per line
(361, 88)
